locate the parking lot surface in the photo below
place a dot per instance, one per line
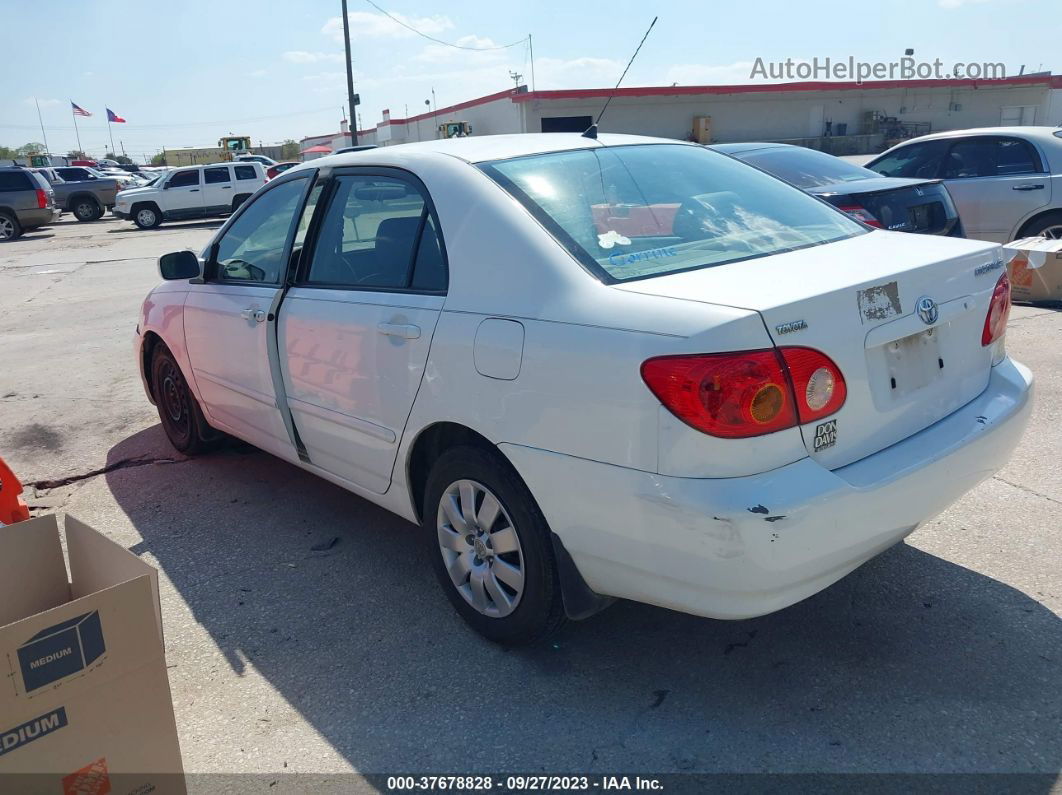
(305, 632)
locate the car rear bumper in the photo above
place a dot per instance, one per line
(31, 219)
(741, 547)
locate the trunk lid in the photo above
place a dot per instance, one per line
(856, 301)
(901, 205)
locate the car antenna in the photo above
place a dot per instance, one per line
(591, 131)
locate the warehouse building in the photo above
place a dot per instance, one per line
(838, 117)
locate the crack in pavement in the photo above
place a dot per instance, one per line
(125, 463)
(1027, 490)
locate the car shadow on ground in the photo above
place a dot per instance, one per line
(167, 227)
(911, 664)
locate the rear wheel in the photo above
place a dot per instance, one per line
(238, 200)
(1048, 225)
(87, 209)
(179, 411)
(491, 547)
(10, 229)
(147, 216)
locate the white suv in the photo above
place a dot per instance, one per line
(195, 192)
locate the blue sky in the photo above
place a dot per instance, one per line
(193, 71)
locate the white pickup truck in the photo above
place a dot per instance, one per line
(193, 192)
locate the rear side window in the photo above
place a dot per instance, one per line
(378, 233)
(15, 180)
(1016, 157)
(252, 249)
(183, 179)
(990, 156)
(804, 168)
(245, 172)
(915, 161)
(212, 176)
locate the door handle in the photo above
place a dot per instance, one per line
(226, 187)
(194, 190)
(402, 330)
(250, 313)
(1028, 187)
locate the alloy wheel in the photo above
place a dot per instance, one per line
(7, 228)
(146, 217)
(1053, 232)
(480, 548)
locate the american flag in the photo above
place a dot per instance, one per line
(78, 110)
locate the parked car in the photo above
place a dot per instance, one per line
(84, 191)
(279, 168)
(26, 202)
(902, 205)
(265, 161)
(1005, 181)
(193, 192)
(723, 413)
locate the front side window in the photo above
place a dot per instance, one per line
(183, 179)
(213, 176)
(370, 237)
(245, 172)
(914, 161)
(252, 248)
(631, 212)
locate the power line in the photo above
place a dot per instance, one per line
(221, 122)
(412, 29)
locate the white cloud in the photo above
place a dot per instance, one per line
(957, 3)
(44, 103)
(367, 25)
(696, 74)
(301, 56)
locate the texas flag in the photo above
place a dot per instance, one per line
(112, 116)
(78, 110)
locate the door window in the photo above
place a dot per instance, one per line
(252, 248)
(183, 179)
(990, 157)
(14, 180)
(915, 161)
(213, 176)
(378, 233)
(1016, 157)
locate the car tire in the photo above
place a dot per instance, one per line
(182, 419)
(1050, 223)
(512, 597)
(10, 228)
(146, 216)
(238, 200)
(87, 209)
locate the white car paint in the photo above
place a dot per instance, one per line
(198, 199)
(1003, 207)
(648, 507)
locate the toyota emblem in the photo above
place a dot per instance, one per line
(927, 310)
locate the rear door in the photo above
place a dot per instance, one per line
(995, 181)
(355, 329)
(217, 189)
(182, 195)
(230, 320)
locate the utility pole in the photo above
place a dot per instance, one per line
(352, 100)
(531, 47)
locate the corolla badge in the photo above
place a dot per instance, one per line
(927, 310)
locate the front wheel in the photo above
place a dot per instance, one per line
(179, 411)
(491, 547)
(147, 217)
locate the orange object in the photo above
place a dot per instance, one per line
(12, 507)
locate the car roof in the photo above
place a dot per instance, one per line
(478, 149)
(1038, 133)
(750, 146)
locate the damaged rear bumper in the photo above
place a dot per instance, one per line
(741, 547)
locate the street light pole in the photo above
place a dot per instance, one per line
(350, 77)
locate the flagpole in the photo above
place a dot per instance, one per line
(110, 132)
(41, 120)
(75, 128)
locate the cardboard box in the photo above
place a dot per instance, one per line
(1035, 269)
(85, 702)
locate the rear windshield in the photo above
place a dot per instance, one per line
(805, 168)
(632, 212)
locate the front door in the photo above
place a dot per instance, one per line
(355, 330)
(230, 321)
(182, 195)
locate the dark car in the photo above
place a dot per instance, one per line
(26, 202)
(902, 205)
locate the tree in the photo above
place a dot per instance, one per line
(76, 154)
(158, 160)
(289, 150)
(7, 153)
(31, 148)
(118, 158)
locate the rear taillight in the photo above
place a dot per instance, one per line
(998, 312)
(42, 199)
(751, 393)
(862, 214)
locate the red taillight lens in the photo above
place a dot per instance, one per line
(817, 383)
(749, 393)
(42, 199)
(998, 312)
(731, 395)
(862, 214)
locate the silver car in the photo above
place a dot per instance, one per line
(1005, 181)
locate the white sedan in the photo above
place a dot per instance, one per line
(594, 369)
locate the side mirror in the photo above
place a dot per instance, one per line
(179, 265)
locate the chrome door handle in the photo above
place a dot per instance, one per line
(403, 330)
(250, 313)
(1028, 187)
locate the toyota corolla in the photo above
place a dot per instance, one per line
(594, 369)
